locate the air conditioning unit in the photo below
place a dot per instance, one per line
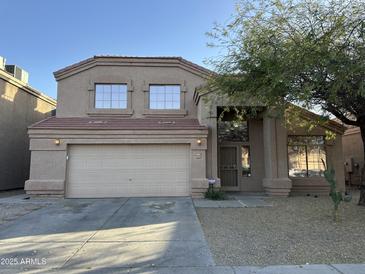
(2, 62)
(18, 73)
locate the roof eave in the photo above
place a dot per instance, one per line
(330, 124)
(25, 87)
(113, 60)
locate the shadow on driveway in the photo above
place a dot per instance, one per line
(96, 234)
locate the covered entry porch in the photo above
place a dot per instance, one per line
(261, 154)
(251, 153)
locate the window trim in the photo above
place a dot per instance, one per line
(182, 112)
(306, 154)
(163, 85)
(93, 111)
(165, 92)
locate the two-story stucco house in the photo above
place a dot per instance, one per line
(137, 126)
(20, 106)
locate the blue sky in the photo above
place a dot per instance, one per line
(42, 36)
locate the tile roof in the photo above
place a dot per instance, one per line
(140, 58)
(101, 123)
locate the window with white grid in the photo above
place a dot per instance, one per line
(111, 96)
(164, 97)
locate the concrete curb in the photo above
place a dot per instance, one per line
(272, 269)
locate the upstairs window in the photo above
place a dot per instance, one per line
(164, 97)
(305, 155)
(111, 96)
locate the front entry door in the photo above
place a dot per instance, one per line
(228, 167)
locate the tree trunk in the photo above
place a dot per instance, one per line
(362, 186)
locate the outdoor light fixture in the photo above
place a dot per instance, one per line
(199, 142)
(57, 142)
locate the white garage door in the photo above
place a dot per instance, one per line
(128, 171)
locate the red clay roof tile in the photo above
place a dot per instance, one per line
(101, 123)
(121, 57)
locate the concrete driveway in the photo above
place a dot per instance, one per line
(101, 234)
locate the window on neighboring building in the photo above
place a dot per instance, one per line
(164, 96)
(305, 155)
(245, 161)
(111, 96)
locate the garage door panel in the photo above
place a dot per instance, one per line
(128, 170)
(161, 175)
(128, 191)
(128, 162)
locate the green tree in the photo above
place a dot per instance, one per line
(309, 53)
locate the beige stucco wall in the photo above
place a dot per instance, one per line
(254, 183)
(353, 151)
(19, 108)
(76, 99)
(49, 161)
(75, 93)
(269, 154)
(267, 150)
(268, 136)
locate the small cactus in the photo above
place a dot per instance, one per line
(336, 195)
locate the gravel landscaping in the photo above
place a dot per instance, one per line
(295, 230)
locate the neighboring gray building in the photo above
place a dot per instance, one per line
(141, 126)
(20, 106)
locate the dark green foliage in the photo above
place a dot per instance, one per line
(215, 194)
(306, 52)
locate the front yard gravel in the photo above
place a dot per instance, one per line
(296, 230)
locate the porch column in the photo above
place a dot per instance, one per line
(207, 115)
(276, 181)
(199, 181)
